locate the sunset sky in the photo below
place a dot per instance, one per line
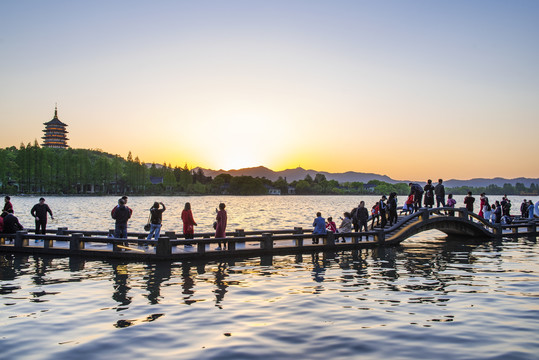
(410, 89)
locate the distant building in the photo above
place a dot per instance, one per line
(55, 133)
(369, 187)
(156, 180)
(272, 190)
(291, 190)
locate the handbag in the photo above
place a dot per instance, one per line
(147, 227)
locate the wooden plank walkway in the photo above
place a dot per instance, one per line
(240, 243)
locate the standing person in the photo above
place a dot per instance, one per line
(506, 208)
(524, 209)
(451, 203)
(493, 213)
(220, 228)
(531, 209)
(429, 194)
(39, 212)
(121, 214)
(439, 191)
(7, 204)
(363, 216)
(497, 212)
(319, 224)
(11, 223)
(487, 210)
(481, 204)
(188, 222)
(417, 191)
(354, 219)
(124, 198)
(375, 214)
(392, 208)
(383, 211)
(346, 225)
(468, 201)
(156, 218)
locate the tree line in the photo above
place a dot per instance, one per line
(31, 169)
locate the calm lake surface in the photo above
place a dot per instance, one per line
(433, 297)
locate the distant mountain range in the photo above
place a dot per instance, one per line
(350, 176)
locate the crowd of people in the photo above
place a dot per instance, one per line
(121, 213)
(382, 212)
(385, 210)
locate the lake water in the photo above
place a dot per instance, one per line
(431, 298)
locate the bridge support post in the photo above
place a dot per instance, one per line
(20, 241)
(163, 247)
(330, 239)
(380, 237)
(267, 241)
(424, 214)
(298, 231)
(201, 247)
(240, 233)
(532, 228)
(463, 213)
(76, 243)
(497, 230)
(47, 243)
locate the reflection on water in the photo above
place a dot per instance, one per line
(431, 295)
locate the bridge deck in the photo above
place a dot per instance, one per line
(255, 243)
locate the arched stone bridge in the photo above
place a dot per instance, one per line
(448, 220)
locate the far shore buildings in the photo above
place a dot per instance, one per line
(55, 133)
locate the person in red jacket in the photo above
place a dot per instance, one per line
(188, 222)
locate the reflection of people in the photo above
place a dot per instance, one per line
(188, 222)
(39, 212)
(221, 285)
(157, 274)
(220, 228)
(156, 218)
(120, 284)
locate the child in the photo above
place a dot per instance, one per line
(330, 225)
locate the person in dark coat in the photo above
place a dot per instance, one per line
(11, 223)
(39, 212)
(121, 214)
(469, 200)
(417, 191)
(429, 194)
(439, 192)
(392, 208)
(363, 218)
(383, 211)
(7, 204)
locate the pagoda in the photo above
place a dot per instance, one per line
(55, 133)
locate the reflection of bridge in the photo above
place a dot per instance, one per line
(242, 243)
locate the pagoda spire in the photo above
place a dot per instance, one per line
(56, 110)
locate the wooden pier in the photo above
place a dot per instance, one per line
(240, 243)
